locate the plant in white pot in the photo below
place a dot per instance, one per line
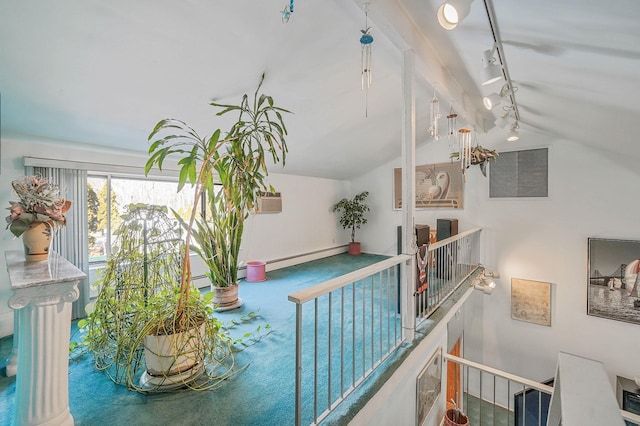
(352, 215)
(237, 161)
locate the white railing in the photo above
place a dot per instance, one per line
(345, 328)
(490, 396)
(442, 267)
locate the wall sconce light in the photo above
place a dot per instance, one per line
(485, 282)
(513, 133)
(492, 70)
(452, 12)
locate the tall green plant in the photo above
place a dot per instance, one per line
(237, 159)
(352, 212)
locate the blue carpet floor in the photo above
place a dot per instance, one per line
(261, 394)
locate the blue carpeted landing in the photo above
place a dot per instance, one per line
(262, 394)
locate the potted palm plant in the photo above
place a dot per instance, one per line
(237, 160)
(352, 216)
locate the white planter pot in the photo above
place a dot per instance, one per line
(175, 353)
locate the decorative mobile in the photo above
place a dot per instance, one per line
(366, 39)
(434, 116)
(464, 141)
(451, 127)
(287, 11)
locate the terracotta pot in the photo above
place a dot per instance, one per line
(354, 248)
(37, 241)
(455, 417)
(174, 353)
(225, 297)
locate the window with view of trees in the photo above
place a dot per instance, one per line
(109, 195)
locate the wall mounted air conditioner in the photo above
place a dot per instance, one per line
(269, 202)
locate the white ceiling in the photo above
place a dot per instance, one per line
(104, 72)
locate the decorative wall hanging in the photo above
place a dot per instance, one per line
(428, 386)
(366, 40)
(531, 301)
(434, 117)
(437, 186)
(614, 279)
(287, 11)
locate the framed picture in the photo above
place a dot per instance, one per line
(428, 387)
(437, 186)
(613, 279)
(531, 301)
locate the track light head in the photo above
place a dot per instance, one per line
(485, 282)
(452, 12)
(490, 101)
(492, 70)
(513, 133)
(505, 119)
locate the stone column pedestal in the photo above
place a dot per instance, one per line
(43, 293)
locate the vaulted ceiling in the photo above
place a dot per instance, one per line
(104, 72)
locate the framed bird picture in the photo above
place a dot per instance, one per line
(437, 186)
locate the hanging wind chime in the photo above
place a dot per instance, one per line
(366, 39)
(286, 12)
(434, 116)
(464, 145)
(451, 127)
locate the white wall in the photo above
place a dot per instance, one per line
(307, 223)
(591, 195)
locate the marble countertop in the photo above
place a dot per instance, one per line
(24, 274)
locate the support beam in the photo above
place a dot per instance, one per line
(408, 193)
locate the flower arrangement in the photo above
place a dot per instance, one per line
(40, 201)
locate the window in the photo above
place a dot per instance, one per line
(109, 195)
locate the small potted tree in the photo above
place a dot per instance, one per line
(352, 216)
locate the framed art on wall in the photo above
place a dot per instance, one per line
(531, 301)
(428, 386)
(613, 282)
(437, 186)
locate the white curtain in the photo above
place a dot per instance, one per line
(72, 241)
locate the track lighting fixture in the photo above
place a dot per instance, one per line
(492, 70)
(490, 101)
(513, 133)
(496, 56)
(485, 282)
(452, 12)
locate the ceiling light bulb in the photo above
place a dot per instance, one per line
(447, 16)
(452, 12)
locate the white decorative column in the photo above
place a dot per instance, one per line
(43, 293)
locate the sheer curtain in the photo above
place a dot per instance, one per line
(72, 241)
